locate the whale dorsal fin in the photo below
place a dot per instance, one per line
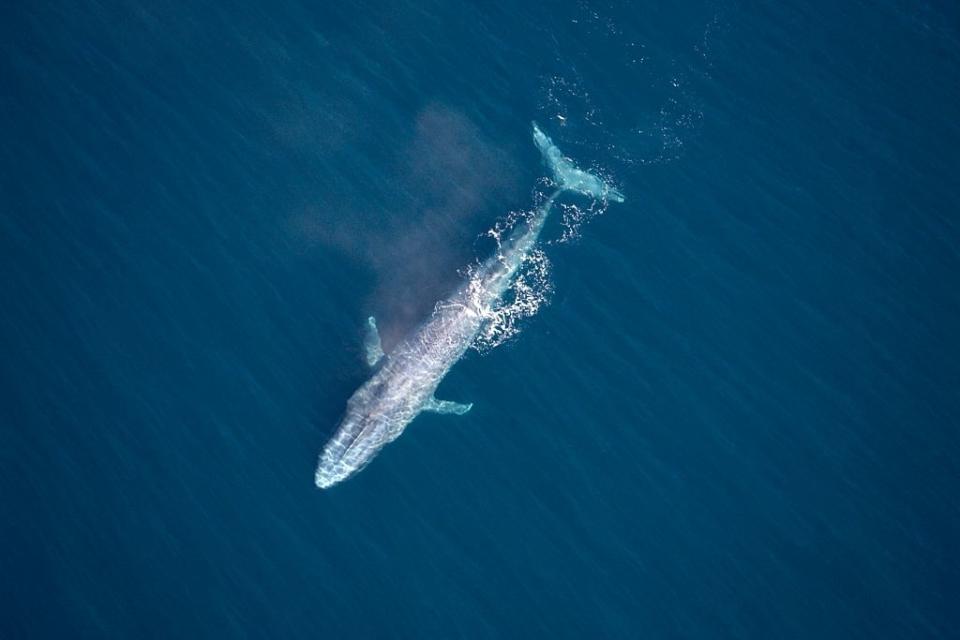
(446, 407)
(373, 349)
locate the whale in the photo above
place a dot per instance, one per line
(403, 382)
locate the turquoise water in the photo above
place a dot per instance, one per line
(737, 416)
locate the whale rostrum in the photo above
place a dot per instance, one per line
(403, 381)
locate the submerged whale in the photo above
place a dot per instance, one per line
(404, 381)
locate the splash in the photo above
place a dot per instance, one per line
(530, 290)
(574, 216)
(532, 287)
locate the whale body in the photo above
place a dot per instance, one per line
(404, 381)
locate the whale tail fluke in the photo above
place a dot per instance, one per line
(568, 176)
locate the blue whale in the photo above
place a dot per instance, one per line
(404, 381)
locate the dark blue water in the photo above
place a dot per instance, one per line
(738, 417)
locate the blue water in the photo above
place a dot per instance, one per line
(738, 417)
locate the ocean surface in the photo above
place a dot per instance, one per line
(735, 414)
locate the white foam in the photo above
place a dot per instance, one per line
(530, 290)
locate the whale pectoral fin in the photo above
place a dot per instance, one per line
(373, 350)
(445, 407)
